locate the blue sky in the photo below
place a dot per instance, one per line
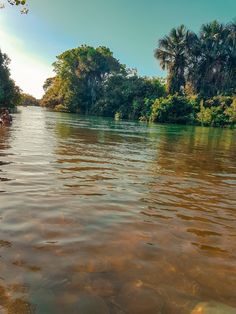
(130, 28)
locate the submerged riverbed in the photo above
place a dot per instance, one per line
(100, 216)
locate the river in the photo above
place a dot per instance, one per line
(103, 216)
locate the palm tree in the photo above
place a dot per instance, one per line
(209, 62)
(172, 56)
(232, 58)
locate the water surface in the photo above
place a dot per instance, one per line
(99, 216)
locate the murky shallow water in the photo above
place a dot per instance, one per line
(99, 216)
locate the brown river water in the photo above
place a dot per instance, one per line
(101, 216)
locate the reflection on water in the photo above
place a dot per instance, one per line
(101, 217)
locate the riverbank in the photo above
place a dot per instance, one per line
(219, 111)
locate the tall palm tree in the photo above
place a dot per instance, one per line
(171, 53)
(231, 68)
(209, 72)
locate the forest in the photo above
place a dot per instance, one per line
(199, 88)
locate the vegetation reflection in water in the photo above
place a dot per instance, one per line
(103, 216)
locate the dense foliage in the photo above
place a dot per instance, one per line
(174, 109)
(91, 81)
(80, 74)
(9, 92)
(218, 111)
(206, 62)
(28, 100)
(200, 86)
(128, 96)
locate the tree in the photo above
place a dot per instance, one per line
(28, 100)
(172, 56)
(213, 61)
(231, 65)
(80, 73)
(91, 81)
(173, 109)
(204, 64)
(129, 96)
(9, 92)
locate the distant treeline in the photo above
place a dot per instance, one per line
(200, 87)
(28, 100)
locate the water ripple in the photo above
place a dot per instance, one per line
(109, 213)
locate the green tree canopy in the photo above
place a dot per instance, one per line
(80, 73)
(213, 62)
(28, 100)
(172, 55)
(9, 92)
(90, 80)
(206, 61)
(130, 96)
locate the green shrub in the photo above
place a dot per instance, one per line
(230, 112)
(218, 117)
(118, 116)
(174, 109)
(204, 115)
(61, 108)
(219, 101)
(218, 111)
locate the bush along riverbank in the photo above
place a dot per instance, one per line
(219, 111)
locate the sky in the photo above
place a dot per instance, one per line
(130, 28)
